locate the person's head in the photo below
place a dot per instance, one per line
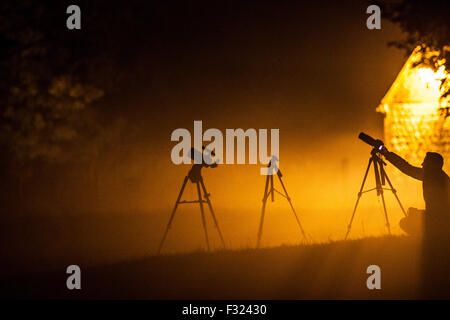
(433, 161)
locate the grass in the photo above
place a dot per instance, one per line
(335, 270)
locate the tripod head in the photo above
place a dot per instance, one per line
(195, 174)
(378, 165)
(273, 166)
(377, 154)
(377, 150)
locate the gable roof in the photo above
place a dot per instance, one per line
(413, 85)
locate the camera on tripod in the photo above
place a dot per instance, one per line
(205, 158)
(380, 178)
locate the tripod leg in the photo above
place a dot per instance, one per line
(261, 221)
(393, 189)
(203, 214)
(359, 197)
(271, 187)
(378, 184)
(292, 207)
(212, 212)
(385, 212)
(172, 215)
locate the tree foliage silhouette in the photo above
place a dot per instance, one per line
(426, 25)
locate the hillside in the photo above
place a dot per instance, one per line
(335, 270)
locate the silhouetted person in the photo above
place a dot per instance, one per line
(436, 186)
(436, 221)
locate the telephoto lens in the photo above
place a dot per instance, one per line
(370, 141)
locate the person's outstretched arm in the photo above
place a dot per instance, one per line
(404, 166)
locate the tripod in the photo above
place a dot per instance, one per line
(271, 192)
(194, 176)
(380, 180)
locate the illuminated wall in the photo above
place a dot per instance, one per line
(415, 120)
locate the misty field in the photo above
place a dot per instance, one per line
(117, 257)
(324, 271)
